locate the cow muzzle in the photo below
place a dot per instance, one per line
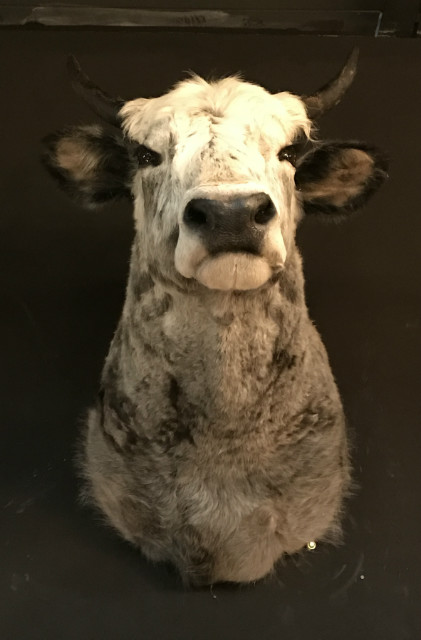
(232, 224)
(227, 242)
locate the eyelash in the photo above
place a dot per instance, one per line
(147, 157)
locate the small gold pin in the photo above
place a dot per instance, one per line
(311, 545)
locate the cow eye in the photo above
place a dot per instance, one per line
(147, 157)
(290, 153)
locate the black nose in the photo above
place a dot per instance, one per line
(230, 224)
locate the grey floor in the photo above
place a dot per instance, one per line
(63, 575)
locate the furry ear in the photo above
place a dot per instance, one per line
(339, 177)
(92, 164)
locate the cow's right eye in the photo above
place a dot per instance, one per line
(289, 154)
(147, 157)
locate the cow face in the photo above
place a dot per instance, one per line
(219, 174)
(225, 183)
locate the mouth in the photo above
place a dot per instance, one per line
(234, 271)
(230, 237)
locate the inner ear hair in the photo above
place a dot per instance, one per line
(339, 177)
(348, 171)
(91, 163)
(81, 161)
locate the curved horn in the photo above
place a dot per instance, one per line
(331, 93)
(100, 102)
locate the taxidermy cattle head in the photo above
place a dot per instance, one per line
(219, 172)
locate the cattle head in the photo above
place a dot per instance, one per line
(219, 172)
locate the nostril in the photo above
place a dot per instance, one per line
(265, 213)
(194, 217)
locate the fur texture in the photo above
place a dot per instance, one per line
(218, 441)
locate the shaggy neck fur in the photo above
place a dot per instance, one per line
(222, 352)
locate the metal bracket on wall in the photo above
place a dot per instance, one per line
(390, 18)
(288, 21)
(400, 18)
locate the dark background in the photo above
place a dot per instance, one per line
(63, 575)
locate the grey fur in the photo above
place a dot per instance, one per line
(218, 461)
(218, 442)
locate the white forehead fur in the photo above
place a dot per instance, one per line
(241, 105)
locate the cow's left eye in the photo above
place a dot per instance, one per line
(290, 153)
(147, 157)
